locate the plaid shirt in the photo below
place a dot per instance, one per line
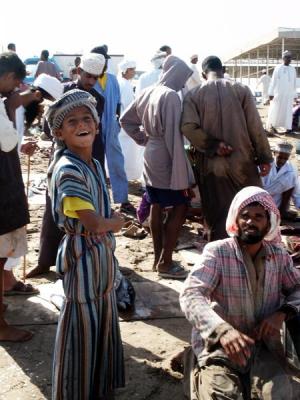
(218, 291)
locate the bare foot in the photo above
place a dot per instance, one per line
(37, 271)
(11, 334)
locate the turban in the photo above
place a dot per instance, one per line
(286, 53)
(124, 65)
(58, 110)
(56, 114)
(92, 63)
(50, 84)
(158, 59)
(246, 196)
(283, 147)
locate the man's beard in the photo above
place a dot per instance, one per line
(251, 237)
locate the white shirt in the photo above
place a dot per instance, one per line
(8, 134)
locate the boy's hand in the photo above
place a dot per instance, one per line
(117, 221)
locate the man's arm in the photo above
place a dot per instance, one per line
(290, 286)
(273, 83)
(190, 127)
(257, 135)
(131, 123)
(196, 293)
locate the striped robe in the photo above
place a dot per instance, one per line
(88, 357)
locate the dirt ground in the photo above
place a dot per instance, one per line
(154, 332)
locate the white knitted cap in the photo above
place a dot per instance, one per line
(92, 63)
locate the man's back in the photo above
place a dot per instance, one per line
(47, 67)
(226, 111)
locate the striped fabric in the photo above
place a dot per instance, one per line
(88, 358)
(218, 291)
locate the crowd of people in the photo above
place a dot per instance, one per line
(244, 287)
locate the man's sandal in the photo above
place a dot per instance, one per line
(175, 272)
(21, 288)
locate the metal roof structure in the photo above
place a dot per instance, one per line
(265, 53)
(272, 45)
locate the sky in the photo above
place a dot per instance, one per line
(137, 28)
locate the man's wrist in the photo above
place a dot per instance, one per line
(288, 310)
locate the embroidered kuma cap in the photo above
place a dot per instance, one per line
(58, 110)
(92, 63)
(283, 147)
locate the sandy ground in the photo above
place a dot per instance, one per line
(151, 335)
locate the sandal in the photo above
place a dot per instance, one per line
(175, 272)
(21, 288)
(128, 208)
(133, 230)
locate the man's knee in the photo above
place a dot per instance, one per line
(218, 382)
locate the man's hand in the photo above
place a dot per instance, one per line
(270, 326)
(264, 169)
(29, 148)
(224, 149)
(237, 346)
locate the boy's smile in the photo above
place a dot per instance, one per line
(78, 129)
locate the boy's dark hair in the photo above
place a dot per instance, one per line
(10, 62)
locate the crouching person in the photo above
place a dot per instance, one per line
(237, 299)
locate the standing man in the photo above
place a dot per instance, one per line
(221, 121)
(132, 152)
(74, 71)
(282, 92)
(107, 85)
(150, 78)
(89, 70)
(46, 67)
(264, 83)
(194, 80)
(166, 169)
(14, 214)
(237, 299)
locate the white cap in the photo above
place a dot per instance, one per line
(286, 53)
(92, 63)
(125, 64)
(194, 56)
(50, 84)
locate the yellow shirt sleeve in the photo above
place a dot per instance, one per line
(73, 204)
(102, 81)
